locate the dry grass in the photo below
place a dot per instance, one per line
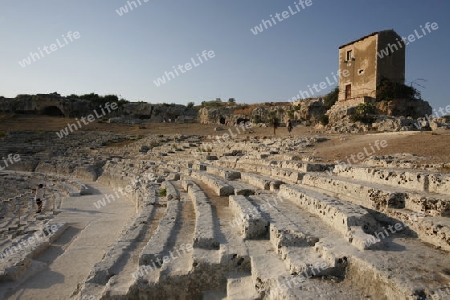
(246, 109)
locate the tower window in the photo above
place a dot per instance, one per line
(349, 55)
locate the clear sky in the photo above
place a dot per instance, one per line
(124, 55)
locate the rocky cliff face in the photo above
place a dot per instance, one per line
(308, 110)
(405, 107)
(411, 108)
(56, 105)
(46, 104)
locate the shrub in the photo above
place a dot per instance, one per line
(95, 98)
(331, 98)
(162, 192)
(212, 103)
(190, 104)
(291, 114)
(256, 119)
(122, 101)
(365, 113)
(324, 119)
(388, 90)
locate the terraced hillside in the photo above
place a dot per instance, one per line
(240, 219)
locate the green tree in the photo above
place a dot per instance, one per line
(110, 98)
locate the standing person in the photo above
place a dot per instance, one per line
(39, 197)
(275, 125)
(289, 126)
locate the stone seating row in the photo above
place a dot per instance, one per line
(352, 221)
(255, 217)
(413, 180)
(393, 204)
(218, 185)
(381, 197)
(16, 258)
(426, 214)
(171, 191)
(283, 174)
(204, 236)
(334, 255)
(157, 246)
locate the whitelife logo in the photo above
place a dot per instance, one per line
(11, 158)
(187, 66)
(391, 48)
(35, 56)
(131, 4)
(86, 121)
(281, 16)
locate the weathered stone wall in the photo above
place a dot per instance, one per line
(359, 72)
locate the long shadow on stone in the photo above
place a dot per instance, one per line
(85, 210)
(93, 190)
(221, 238)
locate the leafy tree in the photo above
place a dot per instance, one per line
(232, 101)
(100, 100)
(110, 98)
(122, 101)
(190, 104)
(91, 97)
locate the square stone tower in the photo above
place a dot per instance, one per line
(365, 62)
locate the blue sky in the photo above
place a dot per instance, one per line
(123, 55)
